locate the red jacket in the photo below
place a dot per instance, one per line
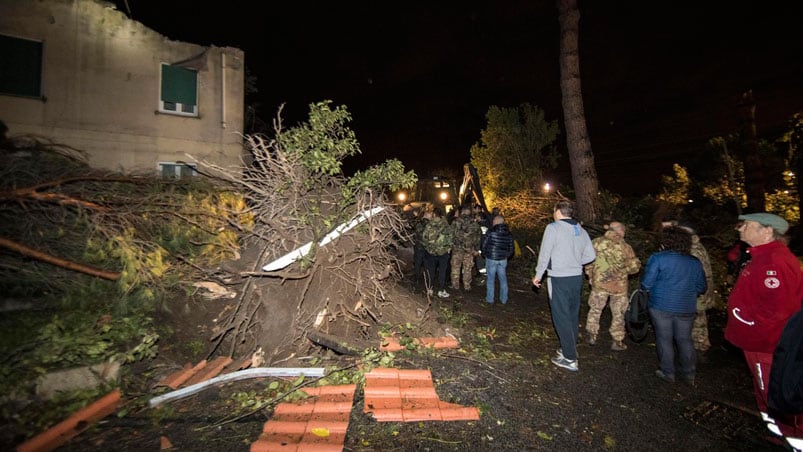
(767, 293)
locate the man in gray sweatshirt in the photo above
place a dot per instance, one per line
(565, 248)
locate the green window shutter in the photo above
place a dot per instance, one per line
(179, 85)
(20, 66)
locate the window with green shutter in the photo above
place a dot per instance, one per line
(176, 170)
(20, 67)
(179, 91)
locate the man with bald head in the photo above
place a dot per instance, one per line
(608, 278)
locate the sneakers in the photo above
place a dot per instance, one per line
(559, 353)
(665, 377)
(568, 364)
(618, 346)
(443, 294)
(592, 339)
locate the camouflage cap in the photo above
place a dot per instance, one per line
(767, 219)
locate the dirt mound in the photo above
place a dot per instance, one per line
(292, 310)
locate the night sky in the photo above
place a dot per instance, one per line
(659, 78)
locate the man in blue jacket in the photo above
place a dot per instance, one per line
(497, 247)
(565, 248)
(674, 279)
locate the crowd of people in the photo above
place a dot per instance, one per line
(473, 242)
(767, 291)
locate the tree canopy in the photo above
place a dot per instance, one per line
(515, 148)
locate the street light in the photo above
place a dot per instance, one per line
(547, 187)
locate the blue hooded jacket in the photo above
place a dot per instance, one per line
(674, 281)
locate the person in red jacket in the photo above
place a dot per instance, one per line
(766, 294)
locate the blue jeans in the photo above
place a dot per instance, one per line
(494, 268)
(674, 328)
(564, 301)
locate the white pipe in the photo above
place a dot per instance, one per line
(223, 89)
(302, 251)
(257, 372)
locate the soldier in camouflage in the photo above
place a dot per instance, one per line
(466, 234)
(608, 277)
(437, 241)
(699, 330)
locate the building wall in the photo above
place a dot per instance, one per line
(101, 83)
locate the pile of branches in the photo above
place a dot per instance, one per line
(63, 221)
(298, 196)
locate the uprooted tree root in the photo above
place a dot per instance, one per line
(343, 288)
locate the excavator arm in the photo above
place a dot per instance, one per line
(470, 190)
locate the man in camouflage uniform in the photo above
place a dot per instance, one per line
(699, 330)
(608, 277)
(437, 240)
(466, 234)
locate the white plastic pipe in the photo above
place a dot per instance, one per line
(257, 372)
(302, 251)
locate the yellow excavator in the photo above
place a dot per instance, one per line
(470, 190)
(442, 192)
(436, 191)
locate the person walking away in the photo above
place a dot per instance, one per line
(419, 252)
(608, 278)
(565, 248)
(766, 294)
(674, 278)
(437, 239)
(466, 235)
(497, 249)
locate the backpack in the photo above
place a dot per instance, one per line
(785, 389)
(637, 315)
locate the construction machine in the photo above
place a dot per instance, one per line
(470, 190)
(429, 191)
(441, 192)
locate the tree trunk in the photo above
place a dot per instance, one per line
(754, 180)
(581, 159)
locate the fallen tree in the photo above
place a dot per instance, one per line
(339, 285)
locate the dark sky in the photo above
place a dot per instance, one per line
(659, 78)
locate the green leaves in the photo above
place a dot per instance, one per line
(323, 141)
(515, 147)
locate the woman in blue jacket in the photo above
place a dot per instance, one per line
(674, 278)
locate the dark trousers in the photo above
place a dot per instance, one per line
(564, 301)
(440, 262)
(419, 256)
